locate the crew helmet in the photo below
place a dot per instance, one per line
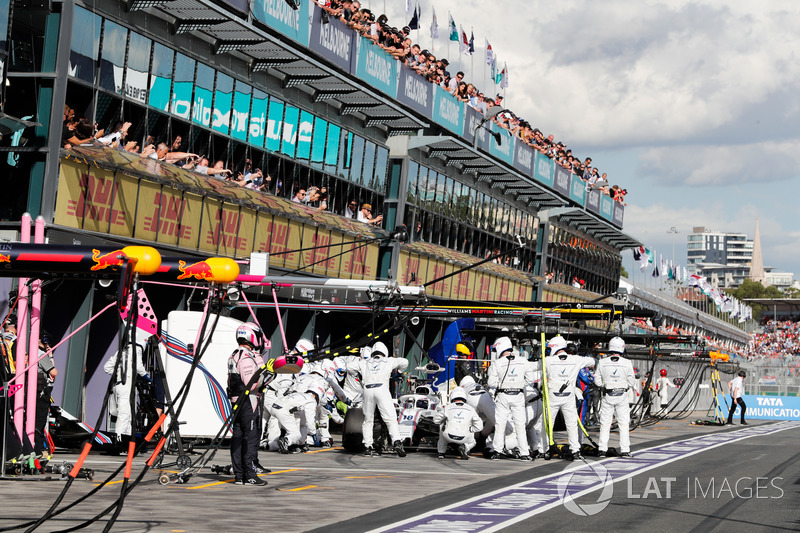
(365, 352)
(467, 382)
(557, 344)
(304, 346)
(251, 334)
(663, 372)
(616, 345)
(502, 345)
(458, 394)
(464, 348)
(379, 349)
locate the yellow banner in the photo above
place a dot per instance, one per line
(124, 203)
(278, 241)
(263, 233)
(317, 257)
(190, 220)
(149, 213)
(99, 191)
(227, 231)
(247, 227)
(293, 259)
(70, 200)
(209, 238)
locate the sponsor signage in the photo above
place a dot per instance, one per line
(415, 91)
(505, 150)
(335, 41)
(278, 15)
(376, 67)
(562, 180)
(237, 6)
(523, 158)
(619, 214)
(767, 407)
(448, 111)
(577, 191)
(543, 169)
(472, 117)
(593, 202)
(606, 207)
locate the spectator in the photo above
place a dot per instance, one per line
(299, 197)
(350, 210)
(365, 215)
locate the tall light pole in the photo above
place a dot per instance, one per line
(674, 231)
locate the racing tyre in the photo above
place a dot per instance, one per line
(352, 438)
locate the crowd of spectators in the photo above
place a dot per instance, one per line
(779, 340)
(398, 43)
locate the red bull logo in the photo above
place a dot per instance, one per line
(5, 258)
(200, 270)
(111, 259)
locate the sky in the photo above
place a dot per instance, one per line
(692, 106)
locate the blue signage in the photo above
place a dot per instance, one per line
(543, 169)
(159, 92)
(448, 111)
(258, 118)
(320, 137)
(767, 407)
(472, 117)
(278, 15)
(415, 91)
(223, 103)
(335, 40)
(606, 207)
(376, 67)
(274, 123)
(305, 129)
(290, 119)
(505, 150)
(241, 111)
(561, 181)
(577, 191)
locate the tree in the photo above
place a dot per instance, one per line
(754, 289)
(623, 272)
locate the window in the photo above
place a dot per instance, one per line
(241, 111)
(181, 104)
(112, 62)
(305, 129)
(274, 125)
(368, 170)
(258, 118)
(223, 100)
(203, 95)
(357, 159)
(85, 45)
(332, 148)
(161, 77)
(318, 142)
(413, 175)
(137, 68)
(291, 117)
(381, 167)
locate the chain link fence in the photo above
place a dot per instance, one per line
(773, 377)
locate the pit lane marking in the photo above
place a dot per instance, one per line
(231, 480)
(304, 488)
(325, 450)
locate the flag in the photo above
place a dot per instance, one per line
(464, 44)
(489, 53)
(471, 42)
(409, 7)
(453, 30)
(655, 273)
(498, 77)
(636, 255)
(494, 68)
(504, 77)
(434, 26)
(414, 24)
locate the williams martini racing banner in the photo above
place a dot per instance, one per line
(768, 407)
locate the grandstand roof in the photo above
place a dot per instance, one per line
(779, 304)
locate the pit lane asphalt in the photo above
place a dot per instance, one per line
(331, 491)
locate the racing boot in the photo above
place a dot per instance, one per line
(260, 469)
(283, 445)
(526, 458)
(602, 453)
(369, 452)
(398, 448)
(627, 455)
(577, 456)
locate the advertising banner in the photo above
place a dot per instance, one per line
(593, 202)
(241, 111)
(619, 214)
(335, 41)
(505, 150)
(376, 67)
(278, 15)
(577, 191)
(258, 118)
(523, 158)
(448, 111)
(543, 169)
(415, 91)
(274, 125)
(766, 407)
(606, 207)
(561, 181)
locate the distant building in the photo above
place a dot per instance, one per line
(723, 258)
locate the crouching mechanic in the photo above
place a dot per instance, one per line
(562, 372)
(318, 381)
(243, 364)
(509, 375)
(375, 373)
(614, 376)
(458, 423)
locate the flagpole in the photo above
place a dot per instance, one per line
(485, 52)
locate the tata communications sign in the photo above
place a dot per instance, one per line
(769, 408)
